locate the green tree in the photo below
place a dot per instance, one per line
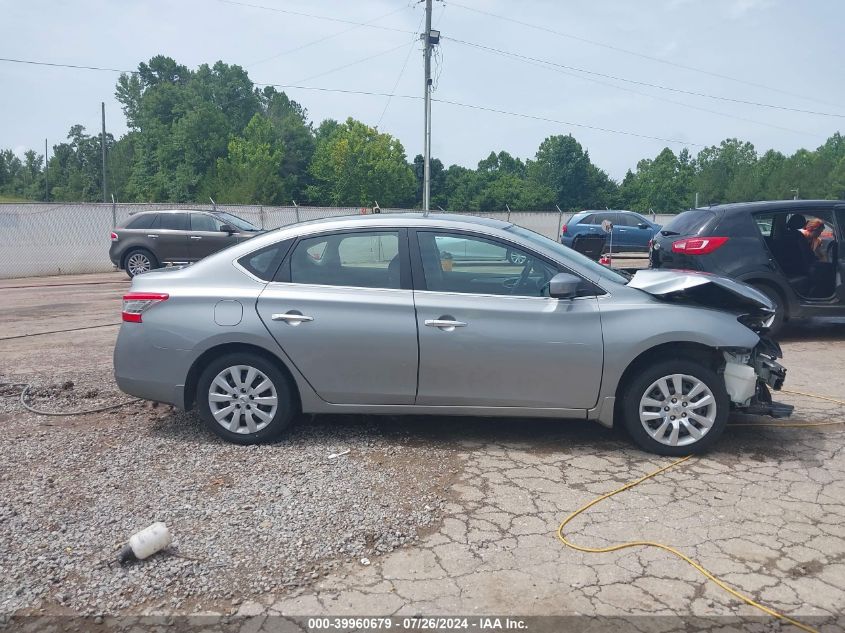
(354, 164)
(250, 171)
(562, 165)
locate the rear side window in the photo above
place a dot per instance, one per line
(587, 219)
(264, 262)
(363, 260)
(690, 222)
(173, 221)
(142, 221)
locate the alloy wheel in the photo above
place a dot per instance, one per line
(138, 263)
(242, 399)
(678, 410)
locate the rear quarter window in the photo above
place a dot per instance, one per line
(141, 222)
(264, 262)
(692, 222)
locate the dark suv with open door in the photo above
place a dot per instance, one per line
(788, 249)
(151, 239)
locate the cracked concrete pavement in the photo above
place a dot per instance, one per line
(765, 512)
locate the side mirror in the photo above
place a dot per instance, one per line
(227, 228)
(564, 286)
(642, 225)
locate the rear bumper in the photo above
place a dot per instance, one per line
(145, 371)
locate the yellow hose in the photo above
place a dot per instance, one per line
(672, 550)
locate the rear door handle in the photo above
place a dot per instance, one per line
(196, 237)
(155, 237)
(292, 318)
(447, 325)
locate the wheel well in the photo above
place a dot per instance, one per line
(229, 348)
(708, 356)
(775, 287)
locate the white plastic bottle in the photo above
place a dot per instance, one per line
(145, 543)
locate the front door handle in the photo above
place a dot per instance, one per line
(292, 317)
(153, 236)
(445, 324)
(196, 237)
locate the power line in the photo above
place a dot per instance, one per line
(357, 61)
(490, 109)
(316, 17)
(557, 68)
(56, 65)
(637, 54)
(581, 125)
(327, 37)
(399, 78)
(640, 83)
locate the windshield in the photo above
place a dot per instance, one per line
(238, 223)
(602, 272)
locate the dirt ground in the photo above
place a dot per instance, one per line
(765, 511)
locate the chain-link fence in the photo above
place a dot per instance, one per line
(59, 239)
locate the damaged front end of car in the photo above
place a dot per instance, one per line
(750, 374)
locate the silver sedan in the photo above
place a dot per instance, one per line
(392, 314)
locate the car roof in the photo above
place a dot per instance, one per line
(145, 212)
(772, 205)
(607, 211)
(410, 218)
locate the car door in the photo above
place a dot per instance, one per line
(489, 337)
(637, 231)
(171, 241)
(342, 308)
(838, 253)
(206, 237)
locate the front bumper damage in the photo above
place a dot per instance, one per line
(751, 376)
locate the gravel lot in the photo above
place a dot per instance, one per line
(245, 520)
(452, 514)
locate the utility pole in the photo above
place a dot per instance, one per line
(103, 143)
(430, 38)
(46, 187)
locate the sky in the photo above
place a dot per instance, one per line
(770, 52)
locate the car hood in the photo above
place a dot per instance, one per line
(704, 289)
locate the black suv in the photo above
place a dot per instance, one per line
(153, 238)
(788, 249)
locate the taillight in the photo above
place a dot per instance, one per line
(698, 245)
(136, 303)
(563, 230)
(113, 236)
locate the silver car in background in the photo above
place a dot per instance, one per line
(377, 315)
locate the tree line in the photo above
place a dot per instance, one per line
(212, 133)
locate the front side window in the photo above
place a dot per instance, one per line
(203, 222)
(455, 262)
(360, 259)
(173, 221)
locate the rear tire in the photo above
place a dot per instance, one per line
(245, 399)
(780, 308)
(139, 260)
(664, 420)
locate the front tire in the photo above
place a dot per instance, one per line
(245, 399)
(675, 408)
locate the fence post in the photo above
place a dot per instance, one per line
(113, 213)
(296, 209)
(509, 212)
(261, 216)
(559, 222)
